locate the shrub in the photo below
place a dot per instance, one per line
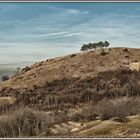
(125, 50)
(89, 114)
(25, 122)
(124, 107)
(72, 55)
(5, 78)
(27, 68)
(59, 117)
(105, 109)
(77, 117)
(121, 110)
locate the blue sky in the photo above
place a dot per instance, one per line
(32, 32)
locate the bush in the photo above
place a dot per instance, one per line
(89, 114)
(27, 68)
(59, 117)
(121, 110)
(72, 55)
(126, 107)
(105, 109)
(118, 108)
(25, 122)
(77, 117)
(5, 78)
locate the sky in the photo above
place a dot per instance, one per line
(31, 32)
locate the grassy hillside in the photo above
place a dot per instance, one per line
(95, 90)
(81, 65)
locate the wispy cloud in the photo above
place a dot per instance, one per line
(75, 11)
(37, 31)
(54, 34)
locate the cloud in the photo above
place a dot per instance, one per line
(54, 34)
(73, 11)
(54, 30)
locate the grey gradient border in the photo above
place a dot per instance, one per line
(69, 1)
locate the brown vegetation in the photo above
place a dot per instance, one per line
(79, 87)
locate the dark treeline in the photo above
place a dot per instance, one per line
(90, 46)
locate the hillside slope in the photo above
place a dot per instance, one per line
(72, 66)
(78, 78)
(77, 92)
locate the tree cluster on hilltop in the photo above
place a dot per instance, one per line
(90, 46)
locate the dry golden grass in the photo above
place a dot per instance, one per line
(111, 128)
(68, 67)
(7, 100)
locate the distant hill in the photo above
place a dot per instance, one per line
(6, 71)
(10, 69)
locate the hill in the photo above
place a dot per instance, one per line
(72, 74)
(75, 65)
(100, 83)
